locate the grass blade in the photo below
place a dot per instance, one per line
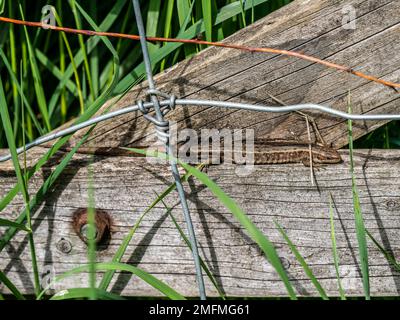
(91, 236)
(105, 282)
(167, 26)
(255, 233)
(63, 98)
(81, 293)
(8, 223)
(202, 263)
(389, 257)
(244, 14)
(17, 294)
(252, 11)
(303, 263)
(83, 49)
(74, 68)
(185, 10)
(334, 250)
(153, 17)
(5, 117)
(151, 280)
(20, 91)
(13, 54)
(37, 80)
(94, 57)
(58, 73)
(360, 228)
(208, 18)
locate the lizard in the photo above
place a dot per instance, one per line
(265, 152)
(294, 152)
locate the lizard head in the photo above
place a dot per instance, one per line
(326, 155)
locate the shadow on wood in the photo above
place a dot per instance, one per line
(125, 186)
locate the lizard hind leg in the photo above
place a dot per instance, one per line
(319, 139)
(308, 118)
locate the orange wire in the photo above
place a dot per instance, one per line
(208, 43)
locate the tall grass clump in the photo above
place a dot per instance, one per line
(64, 73)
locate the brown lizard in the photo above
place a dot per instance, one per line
(265, 152)
(281, 152)
(294, 153)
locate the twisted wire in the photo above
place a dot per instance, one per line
(162, 128)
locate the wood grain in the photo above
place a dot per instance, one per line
(312, 27)
(125, 186)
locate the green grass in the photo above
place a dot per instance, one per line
(385, 137)
(388, 255)
(262, 240)
(116, 266)
(22, 182)
(334, 248)
(358, 217)
(48, 78)
(64, 70)
(202, 262)
(91, 236)
(302, 262)
(76, 87)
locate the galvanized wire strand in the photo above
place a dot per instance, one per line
(209, 103)
(74, 128)
(296, 107)
(160, 129)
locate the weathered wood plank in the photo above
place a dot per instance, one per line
(312, 27)
(125, 186)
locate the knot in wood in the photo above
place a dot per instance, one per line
(392, 205)
(64, 246)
